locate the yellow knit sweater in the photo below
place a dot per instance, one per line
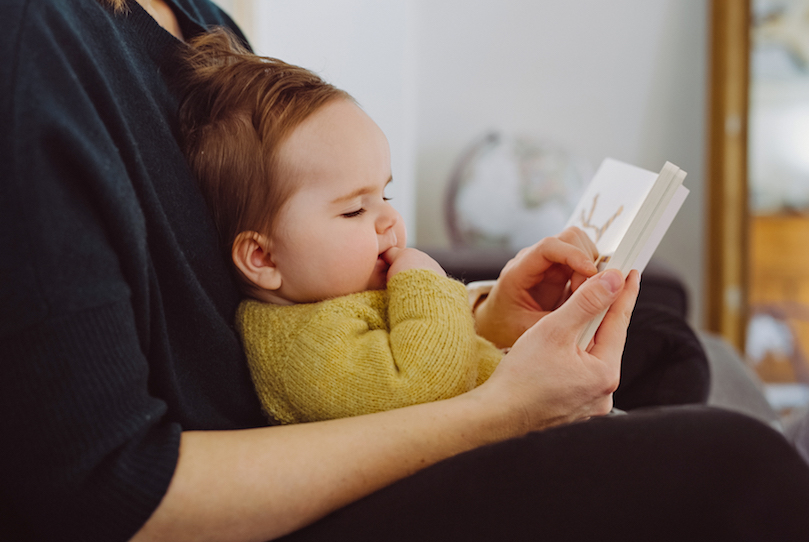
(412, 343)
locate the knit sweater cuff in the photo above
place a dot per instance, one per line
(419, 293)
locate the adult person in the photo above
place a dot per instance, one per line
(128, 411)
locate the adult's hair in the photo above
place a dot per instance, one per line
(236, 111)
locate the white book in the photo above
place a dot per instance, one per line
(626, 211)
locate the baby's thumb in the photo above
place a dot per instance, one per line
(591, 299)
(390, 254)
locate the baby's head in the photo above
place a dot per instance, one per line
(293, 171)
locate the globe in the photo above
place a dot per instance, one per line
(511, 191)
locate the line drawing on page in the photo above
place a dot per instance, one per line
(599, 230)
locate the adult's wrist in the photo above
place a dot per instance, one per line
(494, 414)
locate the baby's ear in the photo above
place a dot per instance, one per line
(251, 254)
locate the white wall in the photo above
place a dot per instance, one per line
(624, 78)
(619, 78)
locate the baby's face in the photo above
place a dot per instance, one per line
(330, 235)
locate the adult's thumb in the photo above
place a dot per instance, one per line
(591, 299)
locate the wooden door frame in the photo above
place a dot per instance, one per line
(728, 215)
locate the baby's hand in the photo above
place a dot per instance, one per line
(402, 259)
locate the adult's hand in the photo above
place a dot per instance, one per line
(555, 381)
(534, 283)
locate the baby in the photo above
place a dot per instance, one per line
(342, 318)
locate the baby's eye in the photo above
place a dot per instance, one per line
(353, 214)
(387, 198)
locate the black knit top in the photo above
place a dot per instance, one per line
(116, 304)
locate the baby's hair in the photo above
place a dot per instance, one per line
(236, 111)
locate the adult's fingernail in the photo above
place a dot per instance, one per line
(612, 279)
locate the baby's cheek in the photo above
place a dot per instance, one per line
(356, 261)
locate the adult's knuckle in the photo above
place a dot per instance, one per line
(590, 301)
(523, 252)
(540, 245)
(611, 383)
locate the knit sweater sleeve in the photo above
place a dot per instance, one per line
(430, 316)
(365, 352)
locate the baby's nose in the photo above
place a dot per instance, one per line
(388, 237)
(387, 220)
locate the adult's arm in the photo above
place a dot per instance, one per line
(259, 484)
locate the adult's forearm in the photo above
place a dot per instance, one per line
(262, 483)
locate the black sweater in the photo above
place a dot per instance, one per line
(116, 304)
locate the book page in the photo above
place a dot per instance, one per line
(610, 202)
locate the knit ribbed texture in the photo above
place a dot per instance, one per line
(105, 424)
(365, 352)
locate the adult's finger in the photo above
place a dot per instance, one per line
(591, 299)
(611, 335)
(533, 261)
(578, 237)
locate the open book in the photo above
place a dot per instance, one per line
(626, 211)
